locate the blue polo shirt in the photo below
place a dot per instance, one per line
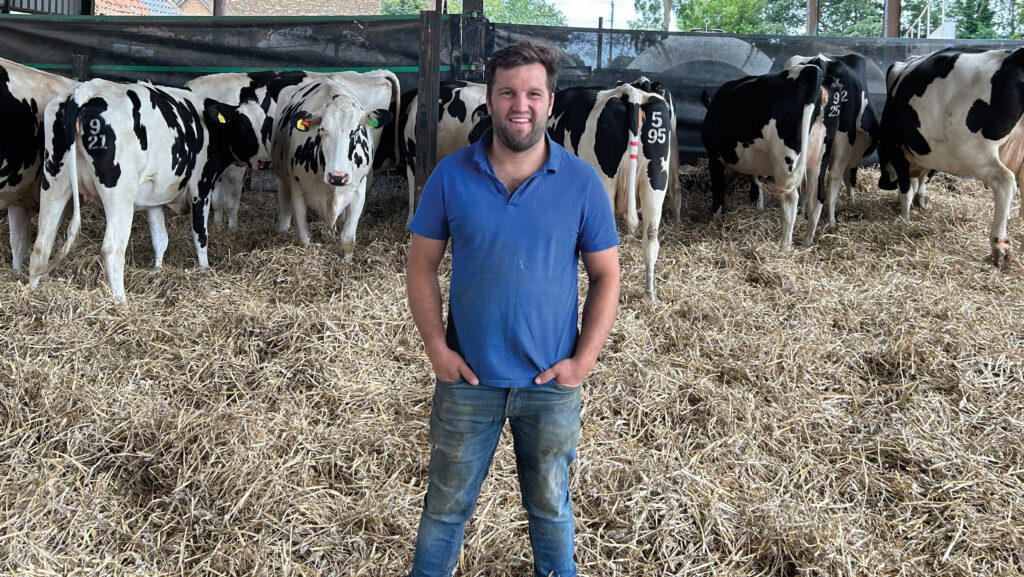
(512, 308)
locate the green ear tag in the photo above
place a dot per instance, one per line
(374, 123)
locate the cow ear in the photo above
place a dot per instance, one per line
(218, 112)
(379, 117)
(303, 121)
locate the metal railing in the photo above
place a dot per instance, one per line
(921, 27)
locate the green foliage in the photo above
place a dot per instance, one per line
(850, 17)
(977, 19)
(732, 16)
(537, 12)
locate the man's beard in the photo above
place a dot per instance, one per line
(519, 144)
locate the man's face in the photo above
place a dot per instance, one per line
(520, 104)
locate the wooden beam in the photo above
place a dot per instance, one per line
(891, 19)
(429, 89)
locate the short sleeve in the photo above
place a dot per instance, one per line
(597, 229)
(431, 219)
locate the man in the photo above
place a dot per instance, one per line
(520, 210)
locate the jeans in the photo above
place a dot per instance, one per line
(465, 424)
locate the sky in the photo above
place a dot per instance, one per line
(584, 13)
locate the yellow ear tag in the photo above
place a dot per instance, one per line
(221, 119)
(302, 124)
(374, 123)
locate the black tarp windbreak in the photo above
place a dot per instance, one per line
(172, 50)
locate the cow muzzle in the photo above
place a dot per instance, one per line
(338, 178)
(263, 164)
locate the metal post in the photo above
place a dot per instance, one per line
(812, 17)
(80, 67)
(600, 40)
(474, 40)
(219, 7)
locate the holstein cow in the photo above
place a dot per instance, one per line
(233, 88)
(24, 94)
(461, 108)
(675, 189)
(773, 125)
(265, 87)
(323, 150)
(139, 147)
(857, 127)
(957, 112)
(625, 133)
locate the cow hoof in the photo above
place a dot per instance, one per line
(1000, 250)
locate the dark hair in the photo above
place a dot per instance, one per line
(521, 54)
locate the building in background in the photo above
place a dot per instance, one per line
(301, 7)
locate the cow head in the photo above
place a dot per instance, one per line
(344, 131)
(239, 127)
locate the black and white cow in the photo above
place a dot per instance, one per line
(24, 94)
(265, 87)
(324, 142)
(626, 134)
(957, 112)
(773, 125)
(675, 189)
(857, 127)
(461, 108)
(233, 88)
(140, 147)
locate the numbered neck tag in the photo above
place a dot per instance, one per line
(302, 124)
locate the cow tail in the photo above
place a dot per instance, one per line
(632, 220)
(71, 129)
(397, 91)
(812, 109)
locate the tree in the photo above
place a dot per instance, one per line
(850, 17)
(537, 12)
(976, 19)
(733, 16)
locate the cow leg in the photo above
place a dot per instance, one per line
(851, 183)
(789, 198)
(757, 192)
(52, 200)
(921, 196)
(1004, 187)
(907, 198)
(200, 230)
(18, 220)
(227, 195)
(411, 176)
(834, 183)
(119, 210)
(298, 209)
(717, 172)
(650, 208)
(284, 205)
(348, 232)
(158, 234)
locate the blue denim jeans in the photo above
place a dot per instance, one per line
(465, 425)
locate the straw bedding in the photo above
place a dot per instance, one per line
(854, 409)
